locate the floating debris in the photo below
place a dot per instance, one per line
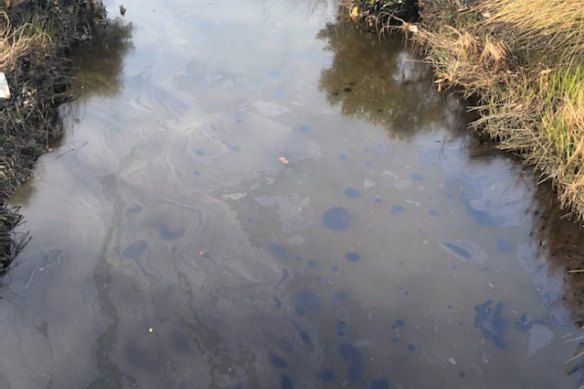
(4, 89)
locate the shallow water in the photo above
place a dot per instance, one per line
(249, 197)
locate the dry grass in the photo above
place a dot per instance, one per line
(523, 60)
(20, 41)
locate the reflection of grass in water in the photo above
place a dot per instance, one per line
(366, 81)
(99, 63)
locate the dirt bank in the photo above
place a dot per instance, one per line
(36, 40)
(521, 62)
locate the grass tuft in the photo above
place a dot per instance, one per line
(522, 61)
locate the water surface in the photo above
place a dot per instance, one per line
(255, 195)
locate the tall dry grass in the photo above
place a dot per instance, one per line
(16, 42)
(524, 61)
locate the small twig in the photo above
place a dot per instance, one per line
(575, 357)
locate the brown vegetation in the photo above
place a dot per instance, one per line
(522, 60)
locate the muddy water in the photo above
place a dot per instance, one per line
(249, 197)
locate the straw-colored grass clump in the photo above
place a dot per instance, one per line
(15, 43)
(524, 60)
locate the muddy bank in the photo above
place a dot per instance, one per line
(36, 43)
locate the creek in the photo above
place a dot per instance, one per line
(253, 194)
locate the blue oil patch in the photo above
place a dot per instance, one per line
(342, 327)
(335, 269)
(352, 257)
(277, 361)
(412, 347)
(461, 374)
(285, 274)
(304, 336)
(280, 92)
(274, 73)
(416, 177)
(278, 250)
(327, 375)
(524, 323)
(340, 296)
(336, 218)
(352, 357)
(432, 212)
(491, 323)
(311, 263)
(353, 193)
(343, 157)
(483, 217)
(457, 250)
(382, 148)
(380, 383)
(168, 233)
(429, 156)
(134, 209)
(504, 246)
(199, 152)
(397, 324)
(134, 250)
(398, 209)
(307, 302)
(286, 382)
(305, 129)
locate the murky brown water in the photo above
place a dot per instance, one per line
(250, 198)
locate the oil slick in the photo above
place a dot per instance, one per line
(465, 251)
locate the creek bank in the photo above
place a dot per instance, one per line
(520, 64)
(36, 41)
